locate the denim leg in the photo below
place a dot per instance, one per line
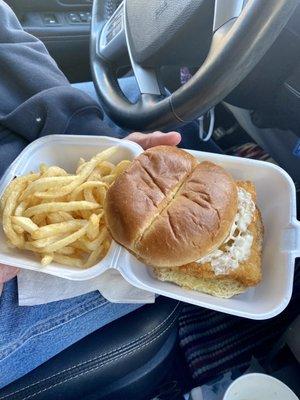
(30, 336)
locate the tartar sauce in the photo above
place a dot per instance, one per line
(239, 237)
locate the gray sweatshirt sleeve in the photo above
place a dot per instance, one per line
(36, 99)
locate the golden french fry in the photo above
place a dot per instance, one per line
(88, 195)
(31, 201)
(60, 216)
(105, 167)
(55, 171)
(20, 209)
(94, 257)
(84, 173)
(45, 242)
(30, 247)
(85, 243)
(66, 216)
(92, 245)
(121, 167)
(13, 184)
(47, 259)
(25, 223)
(100, 194)
(47, 183)
(93, 226)
(18, 229)
(81, 162)
(66, 241)
(53, 218)
(43, 168)
(60, 206)
(109, 179)
(107, 243)
(87, 185)
(66, 251)
(95, 176)
(70, 261)
(9, 207)
(58, 229)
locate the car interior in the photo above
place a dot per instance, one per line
(233, 69)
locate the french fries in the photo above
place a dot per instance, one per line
(59, 206)
(25, 223)
(59, 216)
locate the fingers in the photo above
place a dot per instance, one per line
(155, 139)
(7, 273)
(160, 138)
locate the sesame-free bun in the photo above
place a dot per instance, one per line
(170, 210)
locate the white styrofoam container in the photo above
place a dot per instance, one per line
(64, 151)
(276, 200)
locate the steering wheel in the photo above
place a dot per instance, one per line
(148, 34)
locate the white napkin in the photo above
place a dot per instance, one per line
(38, 288)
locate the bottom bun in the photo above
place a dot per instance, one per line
(225, 288)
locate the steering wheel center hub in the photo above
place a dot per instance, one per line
(151, 24)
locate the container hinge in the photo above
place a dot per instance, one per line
(116, 257)
(291, 239)
(297, 238)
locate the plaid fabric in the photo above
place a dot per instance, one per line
(250, 150)
(214, 343)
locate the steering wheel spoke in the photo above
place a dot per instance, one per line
(114, 43)
(226, 13)
(147, 79)
(226, 10)
(112, 39)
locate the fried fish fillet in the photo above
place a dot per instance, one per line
(201, 277)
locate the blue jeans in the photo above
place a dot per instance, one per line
(30, 336)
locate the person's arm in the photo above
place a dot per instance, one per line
(36, 99)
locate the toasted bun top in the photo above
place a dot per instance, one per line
(170, 210)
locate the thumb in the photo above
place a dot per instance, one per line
(147, 140)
